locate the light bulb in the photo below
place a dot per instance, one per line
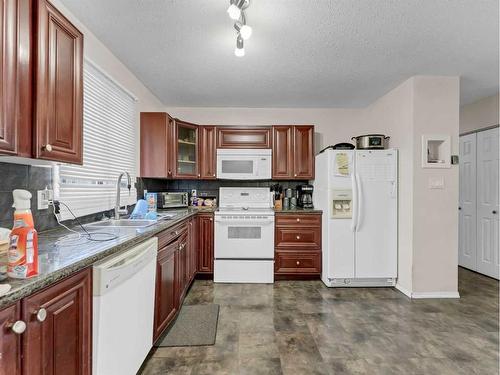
(234, 12)
(246, 32)
(240, 52)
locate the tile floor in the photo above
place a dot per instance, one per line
(302, 327)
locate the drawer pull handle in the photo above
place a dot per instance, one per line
(18, 327)
(298, 237)
(41, 315)
(298, 263)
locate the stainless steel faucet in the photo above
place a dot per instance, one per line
(118, 211)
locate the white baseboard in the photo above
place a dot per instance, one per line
(422, 295)
(403, 290)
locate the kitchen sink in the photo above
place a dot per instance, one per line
(122, 223)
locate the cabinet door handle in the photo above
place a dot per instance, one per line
(298, 220)
(199, 175)
(214, 174)
(47, 147)
(298, 263)
(298, 237)
(459, 208)
(211, 219)
(295, 175)
(18, 327)
(41, 315)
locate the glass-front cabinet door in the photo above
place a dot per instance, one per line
(186, 150)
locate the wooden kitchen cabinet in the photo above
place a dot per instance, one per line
(192, 247)
(208, 152)
(166, 301)
(10, 342)
(185, 147)
(156, 134)
(15, 95)
(58, 104)
(297, 245)
(182, 275)
(58, 337)
(243, 137)
(206, 243)
(293, 152)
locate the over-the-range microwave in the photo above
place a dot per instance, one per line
(244, 164)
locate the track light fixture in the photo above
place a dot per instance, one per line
(244, 32)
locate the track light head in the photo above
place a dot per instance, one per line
(240, 50)
(244, 30)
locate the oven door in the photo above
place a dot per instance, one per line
(244, 237)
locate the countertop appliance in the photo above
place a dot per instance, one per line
(244, 164)
(305, 196)
(244, 236)
(359, 195)
(371, 142)
(172, 199)
(123, 309)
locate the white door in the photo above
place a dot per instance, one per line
(376, 222)
(487, 203)
(467, 202)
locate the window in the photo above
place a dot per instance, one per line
(109, 148)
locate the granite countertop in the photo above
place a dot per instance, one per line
(62, 253)
(298, 210)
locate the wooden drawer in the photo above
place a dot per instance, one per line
(298, 237)
(170, 234)
(297, 262)
(298, 220)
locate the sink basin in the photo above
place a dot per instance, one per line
(122, 223)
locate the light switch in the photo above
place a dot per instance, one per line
(436, 182)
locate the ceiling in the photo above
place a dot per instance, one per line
(303, 53)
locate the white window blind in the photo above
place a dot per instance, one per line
(109, 148)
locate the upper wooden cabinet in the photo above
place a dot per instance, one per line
(156, 133)
(208, 152)
(15, 94)
(58, 337)
(293, 152)
(185, 147)
(58, 87)
(243, 137)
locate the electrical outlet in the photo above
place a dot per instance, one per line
(43, 198)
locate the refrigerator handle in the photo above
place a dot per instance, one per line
(354, 207)
(359, 197)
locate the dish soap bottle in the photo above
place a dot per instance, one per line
(23, 240)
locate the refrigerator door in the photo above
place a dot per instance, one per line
(376, 222)
(341, 236)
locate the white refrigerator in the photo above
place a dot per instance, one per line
(358, 192)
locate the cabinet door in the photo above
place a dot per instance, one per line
(155, 138)
(243, 137)
(467, 202)
(282, 152)
(186, 150)
(166, 299)
(10, 342)
(488, 261)
(206, 244)
(58, 339)
(303, 162)
(192, 247)
(15, 95)
(207, 152)
(59, 88)
(182, 268)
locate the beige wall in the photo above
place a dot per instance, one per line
(480, 114)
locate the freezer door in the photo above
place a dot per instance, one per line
(376, 222)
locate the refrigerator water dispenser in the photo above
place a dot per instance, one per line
(341, 204)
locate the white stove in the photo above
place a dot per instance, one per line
(244, 236)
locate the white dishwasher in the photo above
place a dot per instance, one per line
(123, 309)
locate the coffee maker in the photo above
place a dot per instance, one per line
(305, 199)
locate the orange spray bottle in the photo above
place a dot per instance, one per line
(23, 244)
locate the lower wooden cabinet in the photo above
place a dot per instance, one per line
(166, 303)
(192, 247)
(297, 245)
(10, 341)
(206, 243)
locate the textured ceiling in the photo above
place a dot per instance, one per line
(303, 53)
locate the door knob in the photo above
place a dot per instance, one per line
(47, 148)
(41, 315)
(18, 327)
